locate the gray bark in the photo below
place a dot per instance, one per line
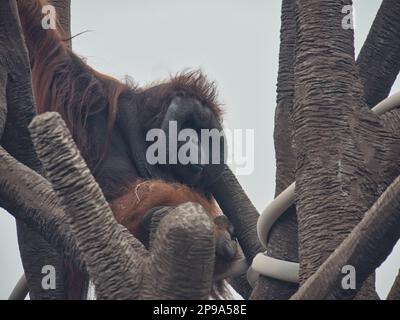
(3, 101)
(182, 239)
(241, 212)
(113, 257)
(31, 199)
(364, 249)
(182, 254)
(379, 59)
(394, 293)
(14, 65)
(243, 215)
(21, 290)
(282, 243)
(342, 164)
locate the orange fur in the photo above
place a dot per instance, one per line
(142, 196)
(61, 81)
(130, 209)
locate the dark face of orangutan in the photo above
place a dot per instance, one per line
(194, 134)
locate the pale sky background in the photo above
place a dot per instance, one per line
(235, 42)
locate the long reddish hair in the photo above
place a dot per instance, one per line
(61, 80)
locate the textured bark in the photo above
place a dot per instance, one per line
(3, 100)
(63, 8)
(21, 290)
(35, 203)
(242, 214)
(113, 257)
(342, 164)
(241, 286)
(20, 104)
(283, 132)
(394, 293)
(182, 254)
(182, 260)
(391, 122)
(31, 199)
(282, 243)
(14, 65)
(364, 249)
(379, 59)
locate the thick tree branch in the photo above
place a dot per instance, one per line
(31, 199)
(364, 249)
(23, 187)
(243, 215)
(21, 108)
(114, 259)
(379, 59)
(342, 164)
(3, 101)
(282, 243)
(394, 293)
(14, 66)
(283, 131)
(21, 289)
(182, 261)
(241, 212)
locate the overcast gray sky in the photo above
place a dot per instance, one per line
(235, 42)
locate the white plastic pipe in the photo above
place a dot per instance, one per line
(273, 211)
(273, 268)
(388, 104)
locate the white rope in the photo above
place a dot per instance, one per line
(281, 269)
(388, 104)
(273, 268)
(273, 211)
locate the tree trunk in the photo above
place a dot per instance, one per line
(14, 65)
(379, 59)
(364, 249)
(282, 243)
(30, 199)
(394, 293)
(243, 215)
(342, 162)
(107, 247)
